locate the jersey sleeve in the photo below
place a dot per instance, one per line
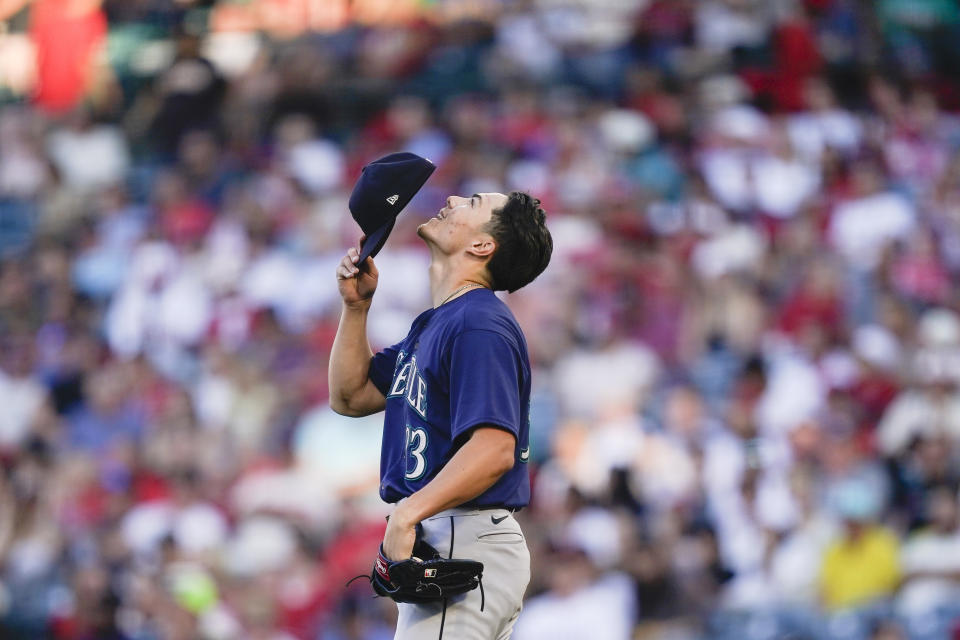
(484, 382)
(382, 365)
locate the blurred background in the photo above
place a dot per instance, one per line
(746, 415)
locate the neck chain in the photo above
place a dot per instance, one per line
(464, 287)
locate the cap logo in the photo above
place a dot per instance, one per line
(429, 573)
(393, 199)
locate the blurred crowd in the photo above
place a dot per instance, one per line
(746, 410)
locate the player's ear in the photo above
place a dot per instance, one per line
(482, 246)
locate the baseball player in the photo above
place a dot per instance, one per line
(456, 392)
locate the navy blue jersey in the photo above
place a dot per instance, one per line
(463, 364)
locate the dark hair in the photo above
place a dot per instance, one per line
(523, 242)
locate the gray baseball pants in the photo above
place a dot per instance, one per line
(493, 537)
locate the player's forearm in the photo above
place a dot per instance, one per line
(350, 357)
(479, 463)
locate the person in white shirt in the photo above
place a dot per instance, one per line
(930, 596)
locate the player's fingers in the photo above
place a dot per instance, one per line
(346, 269)
(353, 255)
(370, 267)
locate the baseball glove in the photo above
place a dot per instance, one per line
(425, 577)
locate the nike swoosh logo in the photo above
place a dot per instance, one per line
(496, 520)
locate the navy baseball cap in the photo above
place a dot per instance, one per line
(384, 188)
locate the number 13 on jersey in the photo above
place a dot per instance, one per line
(416, 445)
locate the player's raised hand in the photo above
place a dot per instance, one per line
(357, 285)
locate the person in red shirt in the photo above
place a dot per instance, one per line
(69, 36)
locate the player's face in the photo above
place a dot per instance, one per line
(461, 222)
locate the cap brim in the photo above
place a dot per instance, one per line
(375, 241)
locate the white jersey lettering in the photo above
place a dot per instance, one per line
(399, 382)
